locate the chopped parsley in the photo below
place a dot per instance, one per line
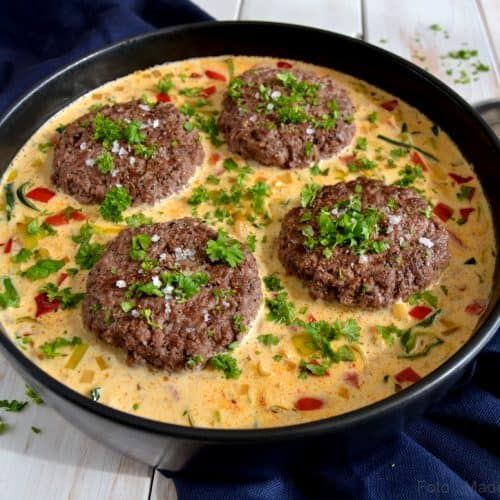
(66, 298)
(308, 194)
(42, 269)
(33, 395)
(140, 246)
(408, 175)
(137, 220)
(95, 394)
(88, 253)
(315, 170)
(465, 193)
(425, 296)
(13, 405)
(117, 200)
(22, 256)
(361, 143)
(51, 349)
(185, 286)
(165, 85)
(225, 249)
(280, 310)
(198, 196)
(9, 297)
(273, 283)
(105, 162)
(268, 339)
(373, 117)
(226, 364)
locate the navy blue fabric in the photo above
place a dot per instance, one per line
(453, 452)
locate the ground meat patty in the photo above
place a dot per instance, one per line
(175, 331)
(417, 246)
(258, 124)
(174, 161)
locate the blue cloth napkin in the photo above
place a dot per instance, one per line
(452, 453)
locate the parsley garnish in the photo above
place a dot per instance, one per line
(51, 349)
(226, 364)
(268, 339)
(408, 175)
(105, 162)
(88, 253)
(225, 249)
(137, 220)
(273, 283)
(185, 285)
(33, 395)
(14, 405)
(280, 310)
(42, 269)
(115, 202)
(425, 296)
(9, 297)
(22, 256)
(308, 194)
(66, 298)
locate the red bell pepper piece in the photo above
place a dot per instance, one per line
(65, 217)
(477, 307)
(44, 305)
(214, 158)
(214, 75)
(284, 65)
(161, 97)
(308, 404)
(420, 312)
(41, 194)
(459, 179)
(208, 91)
(8, 246)
(61, 278)
(444, 212)
(195, 75)
(418, 159)
(390, 105)
(407, 375)
(352, 378)
(465, 212)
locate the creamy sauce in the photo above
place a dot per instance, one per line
(268, 388)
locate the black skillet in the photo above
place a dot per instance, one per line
(170, 446)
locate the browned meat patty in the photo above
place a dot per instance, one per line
(144, 149)
(364, 243)
(286, 118)
(140, 296)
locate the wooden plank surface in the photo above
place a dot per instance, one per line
(343, 16)
(457, 24)
(62, 463)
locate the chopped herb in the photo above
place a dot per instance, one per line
(165, 85)
(425, 296)
(95, 394)
(361, 143)
(127, 305)
(238, 323)
(198, 196)
(138, 219)
(105, 162)
(33, 395)
(22, 256)
(185, 285)
(10, 199)
(35, 430)
(463, 54)
(373, 117)
(45, 147)
(66, 298)
(280, 310)
(226, 364)
(193, 361)
(408, 175)
(51, 349)
(465, 193)
(251, 242)
(117, 200)
(273, 283)
(308, 149)
(315, 170)
(34, 228)
(225, 249)
(43, 268)
(268, 339)
(308, 194)
(13, 405)
(88, 253)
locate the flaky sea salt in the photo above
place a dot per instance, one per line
(120, 284)
(426, 242)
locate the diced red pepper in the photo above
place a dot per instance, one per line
(459, 179)
(65, 217)
(420, 312)
(465, 212)
(61, 278)
(284, 65)
(308, 404)
(444, 212)
(418, 159)
(44, 305)
(477, 307)
(208, 91)
(8, 246)
(214, 158)
(195, 75)
(348, 159)
(215, 76)
(390, 105)
(41, 194)
(161, 97)
(352, 378)
(407, 375)
(311, 318)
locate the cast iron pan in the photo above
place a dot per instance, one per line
(170, 445)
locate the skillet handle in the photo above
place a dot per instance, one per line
(490, 112)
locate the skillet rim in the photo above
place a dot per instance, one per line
(421, 390)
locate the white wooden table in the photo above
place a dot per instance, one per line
(62, 463)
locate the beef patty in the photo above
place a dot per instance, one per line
(364, 243)
(156, 294)
(143, 148)
(286, 118)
